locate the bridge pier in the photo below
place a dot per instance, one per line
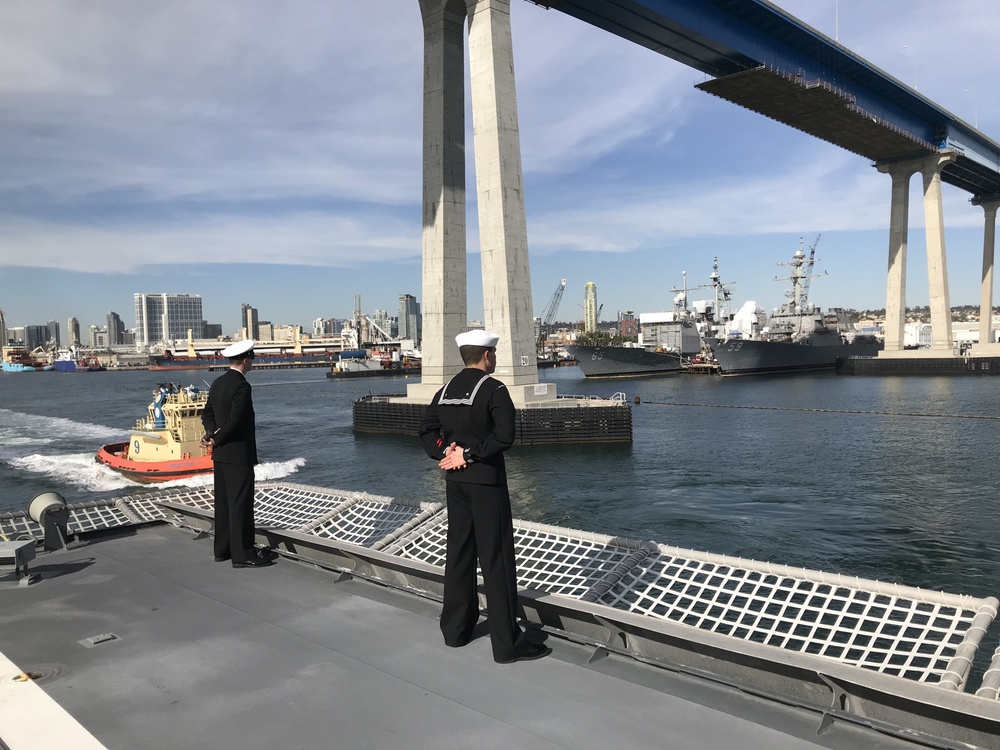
(937, 265)
(444, 304)
(986, 346)
(503, 235)
(937, 268)
(899, 212)
(503, 231)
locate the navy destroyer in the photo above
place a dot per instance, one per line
(668, 340)
(797, 336)
(628, 360)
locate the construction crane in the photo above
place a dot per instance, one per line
(550, 312)
(385, 334)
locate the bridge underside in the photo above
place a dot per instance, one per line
(817, 108)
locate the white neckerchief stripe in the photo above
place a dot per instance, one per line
(461, 401)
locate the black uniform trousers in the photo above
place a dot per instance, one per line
(480, 526)
(234, 531)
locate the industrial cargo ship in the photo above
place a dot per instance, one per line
(169, 361)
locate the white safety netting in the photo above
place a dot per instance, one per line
(916, 634)
(990, 688)
(921, 635)
(567, 562)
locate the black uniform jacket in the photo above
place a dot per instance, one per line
(228, 417)
(475, 411)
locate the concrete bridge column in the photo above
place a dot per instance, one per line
(986, 344)
(444, 303)
(895, 298)
(937, 266)
(502, 225)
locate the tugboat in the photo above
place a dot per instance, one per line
(165, 444)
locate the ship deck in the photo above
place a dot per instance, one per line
(203, 655)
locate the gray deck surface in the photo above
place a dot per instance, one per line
(285, 657)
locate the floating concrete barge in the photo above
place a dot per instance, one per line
(919, 366)
(136, 639)
(570, 419)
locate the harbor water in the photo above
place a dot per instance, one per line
(887, 478)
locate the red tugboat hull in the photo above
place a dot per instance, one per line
(115, 456)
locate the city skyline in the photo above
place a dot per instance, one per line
(152, 152)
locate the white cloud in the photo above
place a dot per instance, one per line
(312, 239)
(248, 131)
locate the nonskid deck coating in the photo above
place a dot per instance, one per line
(773, 604)
(210, 656)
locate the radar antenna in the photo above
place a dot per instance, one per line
(801, 275)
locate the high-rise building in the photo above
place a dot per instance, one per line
(385, 324)
(116, 329)
(409, 317)
(97, 338)
(36, 336)
(628, 325)
(213, 330)
(3, 329)
(317, 328)
(281, 333)
(53, 326)
(250, 321)
(165, 317)
(590, 307)
(72, 332)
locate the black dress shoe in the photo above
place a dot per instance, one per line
(266, 553)
(221, 559)
(527, 652)
(252, 562)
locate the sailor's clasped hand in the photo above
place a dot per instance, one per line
(454, 458)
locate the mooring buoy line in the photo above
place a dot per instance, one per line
(825, 411)
(289, 382)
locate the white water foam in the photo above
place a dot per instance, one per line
(262, 473)
(38, 429)
(75, 469)
(11, 438)
(82, 471)
(278, 469)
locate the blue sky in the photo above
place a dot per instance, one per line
(261, 152)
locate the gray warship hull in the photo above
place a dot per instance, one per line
(746, 357)
(621, 361)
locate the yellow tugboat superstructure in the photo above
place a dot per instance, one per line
(166, 443)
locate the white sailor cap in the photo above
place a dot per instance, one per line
(238, 349)
(478, 337)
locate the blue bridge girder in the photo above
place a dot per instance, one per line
(768, 61)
